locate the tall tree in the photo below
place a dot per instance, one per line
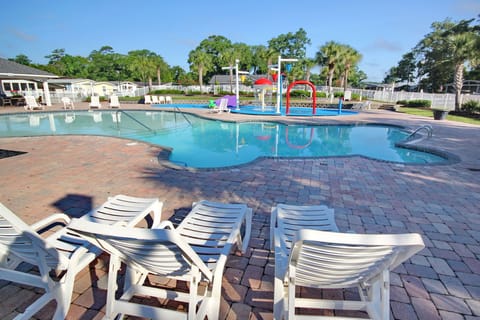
(200, 61)
(330, 55)
(307, 65)
(350, 58)
(214, 46)
(444, 53)
(291, 45)
(22, 59)
(143, 65)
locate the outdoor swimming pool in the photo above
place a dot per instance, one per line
(203, 143)
(271, 110)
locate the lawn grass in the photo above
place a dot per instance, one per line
(429, 113)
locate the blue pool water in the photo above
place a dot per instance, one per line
(271, 110)
(203, 143)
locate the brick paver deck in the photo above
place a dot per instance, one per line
(73, 174)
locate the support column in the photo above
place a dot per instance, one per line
(46, 94)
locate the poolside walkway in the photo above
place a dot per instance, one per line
(73, 174)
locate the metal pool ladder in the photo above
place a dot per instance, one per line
(428, 128)
(134, 119)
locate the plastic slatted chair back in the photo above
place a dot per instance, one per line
(291, 218)
(213, 227)
(158, 251)
(17, 238)
(340, 260)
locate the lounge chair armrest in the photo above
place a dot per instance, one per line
(56, 217)
(167, 224)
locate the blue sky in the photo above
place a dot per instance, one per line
(382, 31)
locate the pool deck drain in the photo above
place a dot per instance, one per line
(73, 174)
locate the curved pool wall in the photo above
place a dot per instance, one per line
(198, 142)
(271, 110)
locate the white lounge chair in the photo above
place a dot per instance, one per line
(333, 260)
(161, 99)
(148, 99)
(195, 252)
(128, 209)
(95, 102)
(222, 106)
(31, 103)
(168, 100)
(67, 103)
(292, 218)
(154, 100)
(114, 102)
(62, 250)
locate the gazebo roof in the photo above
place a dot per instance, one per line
(13, 70)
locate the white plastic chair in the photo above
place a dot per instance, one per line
(114, 102)
(31, 103)
(195, 252)
(168, 100)
(123, 208)
(222, 106)
(67, 103)
(292, 218)
(154, 100)
(62, 250)
(148, 99)
(333, 260)
(161, 99)
(95, 102)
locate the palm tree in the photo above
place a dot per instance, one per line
(228, 58)
(200, 61)
(350, 58)
(462, 49)
(329, 55)
(308, 64)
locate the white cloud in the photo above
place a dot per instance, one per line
(22, 35)
(384, 45)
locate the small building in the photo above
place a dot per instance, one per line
(18, 79)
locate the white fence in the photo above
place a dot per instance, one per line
(440, 100)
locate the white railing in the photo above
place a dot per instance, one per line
(441, 100)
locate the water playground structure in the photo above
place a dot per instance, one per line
(265, 88)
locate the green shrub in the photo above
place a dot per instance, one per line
(471, 106)
(167, 91)
(415, 103)
(355, 96)
(299, 93)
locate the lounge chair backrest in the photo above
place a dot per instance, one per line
(292, 218)
(340, 260)
(31, 103)
(95, 102)
(114, 102)
(213, 220)
(154, 99)
(168, 99)
(148, 99)
(161, 99)
(18, 238)
(159, 251)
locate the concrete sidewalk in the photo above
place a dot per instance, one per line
(73, 174)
